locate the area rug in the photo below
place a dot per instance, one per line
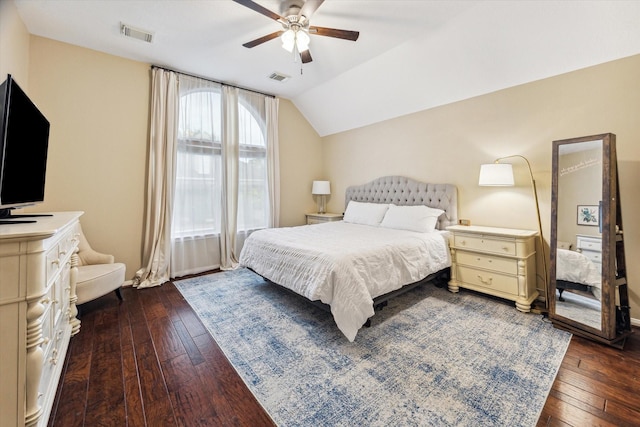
(430, 358)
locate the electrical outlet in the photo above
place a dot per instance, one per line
(464, 222)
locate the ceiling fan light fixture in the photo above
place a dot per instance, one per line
(295, 38)
(302, 41)
(288, 40)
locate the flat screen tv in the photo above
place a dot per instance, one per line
(24, 141)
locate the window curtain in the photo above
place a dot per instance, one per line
(273, 162)
(248, 201)
(160, 182)
(230, 158)
(195, 242)
(213, 175)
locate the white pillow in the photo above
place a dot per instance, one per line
(413, 218)
(365, 213)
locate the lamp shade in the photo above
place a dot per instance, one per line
(321, 187)
(496, 174)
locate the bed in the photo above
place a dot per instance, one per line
(392, 238)
(575, 271)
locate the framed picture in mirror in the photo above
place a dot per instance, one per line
(588, 215)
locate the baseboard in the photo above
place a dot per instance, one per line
(635, 322)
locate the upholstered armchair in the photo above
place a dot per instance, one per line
(98, 274)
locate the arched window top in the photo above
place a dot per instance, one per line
(201, 118)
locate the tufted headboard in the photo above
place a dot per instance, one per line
(401, 190)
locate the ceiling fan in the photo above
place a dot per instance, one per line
(295, 26)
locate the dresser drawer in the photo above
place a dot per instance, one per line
(47, 324)
(53, 263)
(488, 262)
(593, 256)
(589, 243)
(484, 244)
(488, 279)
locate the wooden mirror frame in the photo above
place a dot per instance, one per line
(615, 318)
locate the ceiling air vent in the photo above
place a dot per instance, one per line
(136, 33)
(279, 77)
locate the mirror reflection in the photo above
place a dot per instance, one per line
(579, 233)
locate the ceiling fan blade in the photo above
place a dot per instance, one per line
(256, 42)
(309, 7)
(332, 32)
(260, 9)
(306, 56)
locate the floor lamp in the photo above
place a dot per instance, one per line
(501, 174)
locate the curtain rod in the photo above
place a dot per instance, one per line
(213, 81)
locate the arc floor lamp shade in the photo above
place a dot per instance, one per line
(496, 175)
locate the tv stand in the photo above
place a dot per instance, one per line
(6, 217)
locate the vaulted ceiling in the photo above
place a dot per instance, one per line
(411, 55)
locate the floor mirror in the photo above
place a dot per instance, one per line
(588, 293)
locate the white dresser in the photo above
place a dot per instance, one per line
(495, 261)
(37, 314)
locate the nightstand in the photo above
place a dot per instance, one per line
(317, 218)
(495, 261)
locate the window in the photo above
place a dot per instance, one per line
(198, 190)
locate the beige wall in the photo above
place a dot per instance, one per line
(448, 144)
(14, 45)
(98, 107)
(582, 186)
(300, 164)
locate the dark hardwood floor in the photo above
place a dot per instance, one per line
(149, 361)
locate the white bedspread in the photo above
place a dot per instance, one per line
(345, 265)
(575, 267)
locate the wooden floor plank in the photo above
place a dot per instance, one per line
(158, 366)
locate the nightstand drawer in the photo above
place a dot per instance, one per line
(313, 220)
(317, 218)
(494, 263)
(482, 244)
(487, 279)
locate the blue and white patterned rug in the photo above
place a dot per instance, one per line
(431, 358)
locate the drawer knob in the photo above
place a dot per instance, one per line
(485, 282)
